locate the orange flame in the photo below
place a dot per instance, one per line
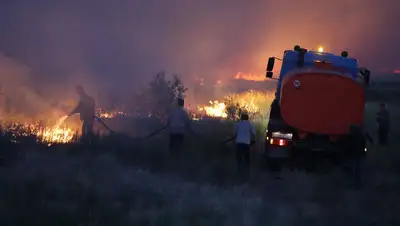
(250, 77)
(56, 134)
(215, 109)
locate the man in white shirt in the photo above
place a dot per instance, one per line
(245, 136)
(178, 123)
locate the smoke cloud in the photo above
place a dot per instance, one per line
(118, 45)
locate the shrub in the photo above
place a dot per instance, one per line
(255, 103)
(157, 97)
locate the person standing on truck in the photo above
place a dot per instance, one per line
(383, 120)
(245, 136)
(178, 122)
(86, 110)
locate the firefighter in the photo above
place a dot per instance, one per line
(245, 136)
(357, 151)
(383, 120)
(178, 123)
(86, 110)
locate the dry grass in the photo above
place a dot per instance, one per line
(145, 186)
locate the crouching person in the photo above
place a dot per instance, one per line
(245, 136)
(178, 123)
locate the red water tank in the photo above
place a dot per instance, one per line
(322, 102)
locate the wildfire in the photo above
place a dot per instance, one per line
(56, 134)
(255, 103)
(109, 114)
(216, 109)
(250, 77)
(59, 132)
(49, 134)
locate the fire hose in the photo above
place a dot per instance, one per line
(135, 138)
(152, 134)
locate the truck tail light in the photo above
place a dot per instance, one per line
(279, 142)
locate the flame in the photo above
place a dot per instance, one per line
(109, 114)
(44, 134)
(56, 134)
(250, 77)
(216, 109)
(255, 103)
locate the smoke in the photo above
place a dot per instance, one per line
(117, 46)
(14, 77)
(20, 92)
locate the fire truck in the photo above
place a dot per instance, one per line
(318, 96)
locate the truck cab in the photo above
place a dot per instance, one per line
(318, 96)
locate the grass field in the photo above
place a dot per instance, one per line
(143, 185)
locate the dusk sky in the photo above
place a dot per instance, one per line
(126, 41)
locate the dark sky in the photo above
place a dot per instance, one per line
(124, 42)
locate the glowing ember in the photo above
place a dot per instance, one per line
(109, 114)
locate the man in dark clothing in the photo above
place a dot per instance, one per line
(357, 150)
(86, 110)
(178, 123)
(383, 119)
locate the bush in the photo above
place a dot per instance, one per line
(156, 99)
(255, 103)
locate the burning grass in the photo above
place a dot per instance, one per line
(63, 130)
(54, 130)
(109, 114)
(50, 133)
(255, 103)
